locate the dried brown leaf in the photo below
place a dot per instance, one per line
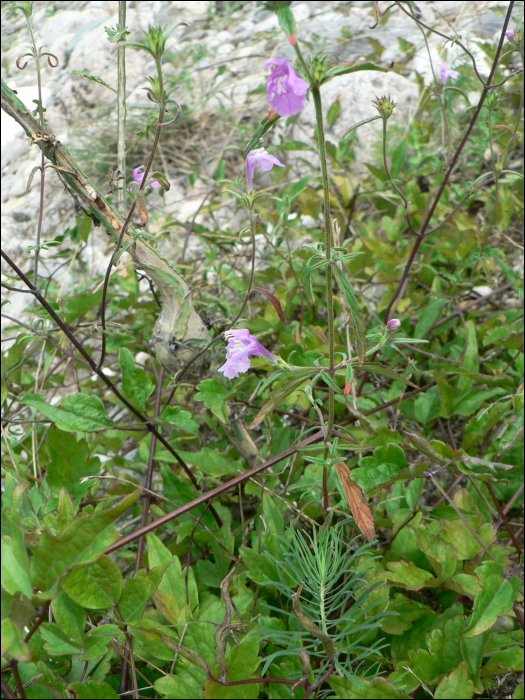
(358, 504)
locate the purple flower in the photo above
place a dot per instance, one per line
(138, 174)
(285, 89)
(241, 343)
(509, 34)
(393, 325)
(447, 72)
(265, 160)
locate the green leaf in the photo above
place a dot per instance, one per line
(13, 643)
(466, 545)
(70, 461)
(213, 394)
(170, 595)
(355, 313)
(427, 316)
(495, 598)
(15, 563)
(379, 689)
(264, 126)
(210, 461)
(355, 68)
(70, 617)
(455, 684)
(386, 463)
(518, 693)
(4, 391)
(136, 383)
(398, 158)
(65, 509)
(82, 541)
(504, 661)
(242, 663)
(94, 586)
(96, 79)
(470, 402)
(136, 592)
(441, 554)
(91, 690)
(356, 126)
(408, 575)
(81, 412)
(386, 371)
(278, 395)
(57, 642)
(333, 112)
(503, 208)
(286, 20)
(426, 405)
(181, 419)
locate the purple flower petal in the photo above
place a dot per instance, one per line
(138, 174)
(265, 160)
(241, 343)
(446, 72)
(285, 89)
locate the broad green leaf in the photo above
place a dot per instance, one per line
(96, 642)
(463, 541)
(333, 111)
(57, 642)
(65, 509)
(70, 617)
(15, 567)
(259, 567)
(504, 661)
(70, 461)
(495, 598)
(80, 412)
(242, 663)
(82, 541)
(170, 595)
(181, 419)
(503, 208)
(208, 459)
(136, 382)
(379, 689)
(286, 20)
(94, 586)
(15, 563)
(407, 575)
(456, 684)
(213, 394)
(518, 693)
(426, 405)
(427, 316)
(386, 462)
(398, 158)
(136, 592)
(91, 690)
(12, 642)
(150, 636)
(465, 584)
(4, 391)
(468, 403)
(440, 553)
(272, 515)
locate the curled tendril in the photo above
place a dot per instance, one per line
(19, 59)
(179, 110)
(49, 57)
(150, 97)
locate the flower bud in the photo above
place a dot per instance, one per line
(385, 106)
(393, 325)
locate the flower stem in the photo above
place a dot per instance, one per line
(328, 245)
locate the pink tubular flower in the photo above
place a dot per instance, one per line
(393, 325)
(265, 160)
(285, 89)
(447, 72)
(138, 174)
(241, 343)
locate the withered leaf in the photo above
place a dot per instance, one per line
(357, 502)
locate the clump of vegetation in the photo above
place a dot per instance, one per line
(288, 464)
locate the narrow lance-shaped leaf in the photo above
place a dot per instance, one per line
(355, 314)
(358, 504)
